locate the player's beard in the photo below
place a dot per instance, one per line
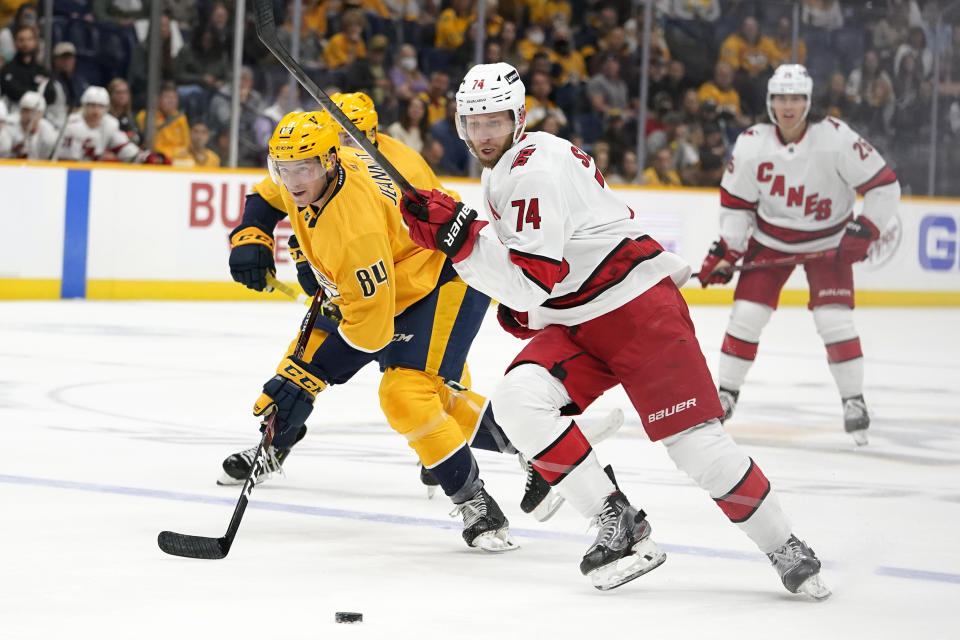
(491, 162)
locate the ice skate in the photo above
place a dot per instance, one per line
(856, 420)
(236, 467)
(799, 569)
(484, 525)
(429, 481)
(728, 402)
(539, 499)
(623, 549)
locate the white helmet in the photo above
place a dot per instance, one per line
(489, 88)
(34, 101)
(3, 111)
(789, 79)
(95, 95)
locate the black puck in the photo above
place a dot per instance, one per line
(349, 616)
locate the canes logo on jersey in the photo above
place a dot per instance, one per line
(812, 204)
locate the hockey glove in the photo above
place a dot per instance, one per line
(251, 256)
(290, 394)
(305, 275)
(514, 322)
(150, 157)
(711, 271)
(441, 223)
(856, 240)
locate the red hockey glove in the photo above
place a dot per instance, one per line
(441, 223)
(719, 252)
(151, 157)
(514, 322)
(856, 240)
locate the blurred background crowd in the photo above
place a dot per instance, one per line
(890, 68)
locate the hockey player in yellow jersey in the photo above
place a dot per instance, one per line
(399, 305)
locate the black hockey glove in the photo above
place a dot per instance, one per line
(305, 275)
(251, 257)
(290, 394)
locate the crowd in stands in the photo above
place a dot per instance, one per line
(872, 63)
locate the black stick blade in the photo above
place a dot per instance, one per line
(179, 544)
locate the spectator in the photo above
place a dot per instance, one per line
(411, 129)
(662, 173)
(311, 39)
(572, 65)
(781, 45)
(346, 46)
(173, 131)
(916, 44)
(219, 21)
(619, 135)
(435, 97)
(690, 106)
(510, 47)
(24, 72)
(492, 52)
(629, 171)
(891, 30)
(824, 14)
(533, 43)
(834, 101)
(67, 85)
(607, 90)
(708, 10)
(197, 154)
(122, 12)
(875, 115)
(6, 140)
(907, 79)
(456, 160)
(26, 15)
(538, 102)
(721, 92)
(121, 108)
(251, 150)
(860, 81)
(202, 69)
(547, 12)
(711, 170)
(370, 75)
(748, 49)
(171, 44)
(33, 137)
(452, 25)
(406, 78)
(433, 154)
(714, 142)
(601, 157)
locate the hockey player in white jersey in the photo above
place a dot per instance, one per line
(790, 188)
(6, 140)
(32, 136)
(93, 134)
(598, 299)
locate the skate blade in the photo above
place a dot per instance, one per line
(431, 491)
(860, 437)
(497, 541)
(548, 506)
(815, 588)
(646, 557)
(605, 428)
(226, 480)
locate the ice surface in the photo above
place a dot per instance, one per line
(115, 417)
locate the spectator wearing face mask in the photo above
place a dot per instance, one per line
(532, 43)
(573, 66)
(406, 77)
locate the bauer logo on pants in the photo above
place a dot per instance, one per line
(669, 411)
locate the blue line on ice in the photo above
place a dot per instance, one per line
(896, 572)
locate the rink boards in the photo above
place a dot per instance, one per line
(128, 232)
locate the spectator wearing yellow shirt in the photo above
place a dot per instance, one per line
(538, 104)
(532, 44)
(435, 97)
(197, 154)
(452, 25)
(546, 12)
(748, 49)
(572, 64)
(315, 17)
(720, 90)
(662, 172)
(782, 49)
(173, 132)
(346, 46)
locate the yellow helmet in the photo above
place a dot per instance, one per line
(302, 135)
(360, 109)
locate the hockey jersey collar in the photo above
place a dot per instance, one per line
(310, 213)
(806, 127)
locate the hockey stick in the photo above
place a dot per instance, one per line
(267, 32)
(785, 261)
(187, 546)
(287, 290)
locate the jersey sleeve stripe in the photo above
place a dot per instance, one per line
(731, 201)
(796, 236)
(882, 177)
(542, 271)
(612, 270)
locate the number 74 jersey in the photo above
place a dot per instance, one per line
(561, 245)
(798, 197)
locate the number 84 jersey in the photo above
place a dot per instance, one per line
(798, 197)
(561, 245)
